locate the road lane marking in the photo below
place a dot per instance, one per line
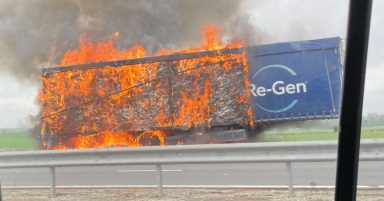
(176, 170)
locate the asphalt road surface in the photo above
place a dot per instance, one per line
(304, 174)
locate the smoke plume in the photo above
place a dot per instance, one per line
(36, 33)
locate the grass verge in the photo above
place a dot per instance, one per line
(17, 140)
(22, 140)
(367, 133)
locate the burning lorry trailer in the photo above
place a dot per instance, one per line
(216, 96)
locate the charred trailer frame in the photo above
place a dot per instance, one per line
(177, 80)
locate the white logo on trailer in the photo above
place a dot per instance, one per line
(278, 88)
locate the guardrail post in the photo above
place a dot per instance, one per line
(53, 181)
(159, 179)
(1, 196)
(290, 178)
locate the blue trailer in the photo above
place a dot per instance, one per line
(290, 81)
(296, 80)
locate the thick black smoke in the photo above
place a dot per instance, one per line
(36, 33)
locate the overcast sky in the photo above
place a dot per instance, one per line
(275, 21)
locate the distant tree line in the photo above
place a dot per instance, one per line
(373, 119)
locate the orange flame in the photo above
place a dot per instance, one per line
(106, 120)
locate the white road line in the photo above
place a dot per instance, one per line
(362, 186)
(176, 170)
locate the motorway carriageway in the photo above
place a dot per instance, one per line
(371, 174)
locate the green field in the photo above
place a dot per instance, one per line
(17, 140)
(315, 135)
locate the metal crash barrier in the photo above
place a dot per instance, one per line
(269, 152)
